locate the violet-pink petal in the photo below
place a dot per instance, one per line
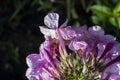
(108, 47)
(113, 69)
(68, 33)
(34, 74)
(96, 30)
(34, 60)
(50, 59)
(76, 45)
(64, 24)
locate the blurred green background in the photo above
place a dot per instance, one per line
(19, 31)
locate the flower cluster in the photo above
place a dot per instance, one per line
(91, 54)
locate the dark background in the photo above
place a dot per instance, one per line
(19, 31)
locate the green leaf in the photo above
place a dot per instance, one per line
(46, 5)
(77, 23)
(96, 19)
(74, 13)
(118, 22)
(34, 2)
(68, 6)
(101, 10)
(116, 10)
(112, 21)
(115, 22)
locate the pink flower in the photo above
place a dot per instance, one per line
(99, 54)
(43, 66)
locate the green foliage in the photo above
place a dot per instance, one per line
(116, 10)
(116, 13)
(101, 10)
(103, 14)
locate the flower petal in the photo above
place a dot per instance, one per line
(34, 74)
(76, 45)
(47, 32)
(108, 47)
(64, 24)
(112, 72)
(96, 30)
(51, 20)
(68, 33)
(33, 60)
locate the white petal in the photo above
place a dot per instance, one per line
(51, 20)
(48, 32)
